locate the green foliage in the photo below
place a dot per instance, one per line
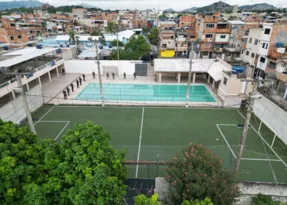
(96, 32)
(145, 29)
(111, 27)
(134, 49)
(163, 16)
(206, 201)
(264, 200)
(143, 200)
(197, 173)
(84, 169)
(153, 36)
(114, 43)
(72, 36)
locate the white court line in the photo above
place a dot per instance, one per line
(43, 116)
(263, 140)
(231, 125)
(68, 122)
(140, 142)
(259, 159)
(226, 141)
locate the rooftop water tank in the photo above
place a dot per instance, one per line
(237, 69)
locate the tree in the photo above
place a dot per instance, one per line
(83, 169)
(111, 27)
(260, 199)
(163, 16)
(133, 50)
(72, 36)
(145, 30)
(114, 43)
(197, 173)
(96, 32)
(206, 201)
(153, 36)
(144, 200)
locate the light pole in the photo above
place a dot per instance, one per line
(99, 71)
(189, 74)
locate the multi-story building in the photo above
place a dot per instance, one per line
(167, 44)
(79, 13)
(182, 44)
(167, 25)
(221, 38)
(17, 30)
(187, 21)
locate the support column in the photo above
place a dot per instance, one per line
(178, 77)
(194, 77)
(13, 94)
(57, 70)
(49, 74)
(208, 79)
(40, 83)
(27, 85)
(223, 56)
(285, 94)
(159, 77)
(213, 83)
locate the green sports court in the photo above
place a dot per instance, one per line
(153, 134)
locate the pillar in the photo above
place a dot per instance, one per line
(49, 74)
(208, 78)
(57, 70)
(213, 83)
(285, 94)
(27, 85)
(223, 56)
(40, 83)
(13, 94)
(159, 77)
(178, 77)
(194, 77)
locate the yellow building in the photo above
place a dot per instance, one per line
(167, 53)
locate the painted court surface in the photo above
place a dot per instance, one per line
(156, 134)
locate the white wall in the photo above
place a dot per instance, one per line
(263, 51)
(14, 110)
(260, 65)
(266, 37)
(254, 33)
(223, 40)
(88, 66)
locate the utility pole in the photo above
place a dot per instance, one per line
(25, 103)
(189, 74)
(99, 73)
(250, 102)
(118, 40)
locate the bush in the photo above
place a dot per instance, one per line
(206, 201)
(264, 200)
(197, 173)
(144, 200)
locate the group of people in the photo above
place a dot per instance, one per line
(66, 91)
(113, 74)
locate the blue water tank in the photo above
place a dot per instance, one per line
(39, 46)
(68, 45)
(61, 46)
(30, 45)
(110, 46)
(58, 50)
(237, 69)
(101, 47)
(5, 48)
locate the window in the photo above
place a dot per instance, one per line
(223, 36)
(252, 55)
(247, 53)
(272, 65)
(256, 41)
(250, 40)
(208, 36)
(267, 31)
(210, 25)
(262, 60)
(265, 45)
(225, 81)
(19, 36)
(207, 44)
(12, 38)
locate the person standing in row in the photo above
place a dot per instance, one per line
(108, 75)
(125, 76)
(65, 95)
(72, 87)
(113, 74)
(77, 82)
(80, 79)
(84, 77)
(94, 75)
(135, 75)
(68, 90)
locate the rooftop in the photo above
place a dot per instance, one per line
(237, 22)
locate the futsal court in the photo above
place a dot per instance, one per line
(157, 134)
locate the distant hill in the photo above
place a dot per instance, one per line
(217, 6)
(18, 4)
(259, 7)
(87, 6)
(169, 10)
(190, 9)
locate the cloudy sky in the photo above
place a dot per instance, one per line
(162, 4)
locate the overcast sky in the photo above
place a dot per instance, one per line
(162, 4)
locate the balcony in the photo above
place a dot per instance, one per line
(281, 76)
(223, 30)
(212, 19)
(7, 87)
